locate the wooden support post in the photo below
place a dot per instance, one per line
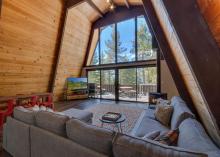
(67, 4)
(90, 2)
(199, 48)
(151, 17)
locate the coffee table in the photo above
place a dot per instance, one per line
(116, 123)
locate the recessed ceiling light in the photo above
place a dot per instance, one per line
(112, 6)
(108, 1)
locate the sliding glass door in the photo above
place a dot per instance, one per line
(108, 84)
(146, 82)
(127, 84)
(94, 83)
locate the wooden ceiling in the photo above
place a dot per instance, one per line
(94, 9)
(211, 11)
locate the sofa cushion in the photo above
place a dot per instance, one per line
(180, 112)
(17, 138)
(79, 114)
(147, 124)
(193, 136)
(128, 146)
(25, 115)
(163, 101)
(163, 114)
(52, 122)
(93, 137)
(56, 146)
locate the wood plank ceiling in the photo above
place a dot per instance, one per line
(211, 11)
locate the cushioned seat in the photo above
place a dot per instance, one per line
(93, 137)
(146, 124)
(127, 146)
(22, 114)
(180, 112)
(193, 136)
(52, 122)
(79, 114)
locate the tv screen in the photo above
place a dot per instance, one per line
(77, 88)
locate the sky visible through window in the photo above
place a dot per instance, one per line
(125, 42)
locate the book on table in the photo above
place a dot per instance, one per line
(111, 116)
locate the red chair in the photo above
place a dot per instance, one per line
(7, 112)
(33, 101)
(49, 102)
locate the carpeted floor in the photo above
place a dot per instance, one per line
(132, 114)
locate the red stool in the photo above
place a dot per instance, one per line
(32, 102)
(49, 102)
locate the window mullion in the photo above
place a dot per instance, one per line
(116, 43)
(99, 47)
(136, 56)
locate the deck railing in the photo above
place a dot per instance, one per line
(143, 89)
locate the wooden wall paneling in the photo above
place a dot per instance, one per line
(73, 50)
(131, 2)
(190, 43)
(88, 11)
(93, 39)
(72, 3)
(211, 13)
(93, 5)
(0, 7)
(28, 35)
(104, 6)
(58, 44)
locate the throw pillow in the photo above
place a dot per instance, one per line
(35, 108)
(49, 109)
(163, 114)
(162, 101)
(151, 135)
(169, 138)
(43, 108)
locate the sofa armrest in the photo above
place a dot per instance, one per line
(128, 146)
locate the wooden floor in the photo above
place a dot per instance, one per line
(83, 104)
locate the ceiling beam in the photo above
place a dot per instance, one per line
(72, 3)
(152, 19)
(200, 48)
(0, 7)
(92, 4)
(127, 4)
(59, 42)
(120, 13)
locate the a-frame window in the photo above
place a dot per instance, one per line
(124, 61)
(126, 41)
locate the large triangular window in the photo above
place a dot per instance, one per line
(125, 41)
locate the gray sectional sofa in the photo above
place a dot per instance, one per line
(45, 134)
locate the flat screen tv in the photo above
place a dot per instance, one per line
(77, 88)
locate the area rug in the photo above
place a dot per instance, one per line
(132, 114)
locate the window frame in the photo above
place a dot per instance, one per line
(154, 45)
(126, 65)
